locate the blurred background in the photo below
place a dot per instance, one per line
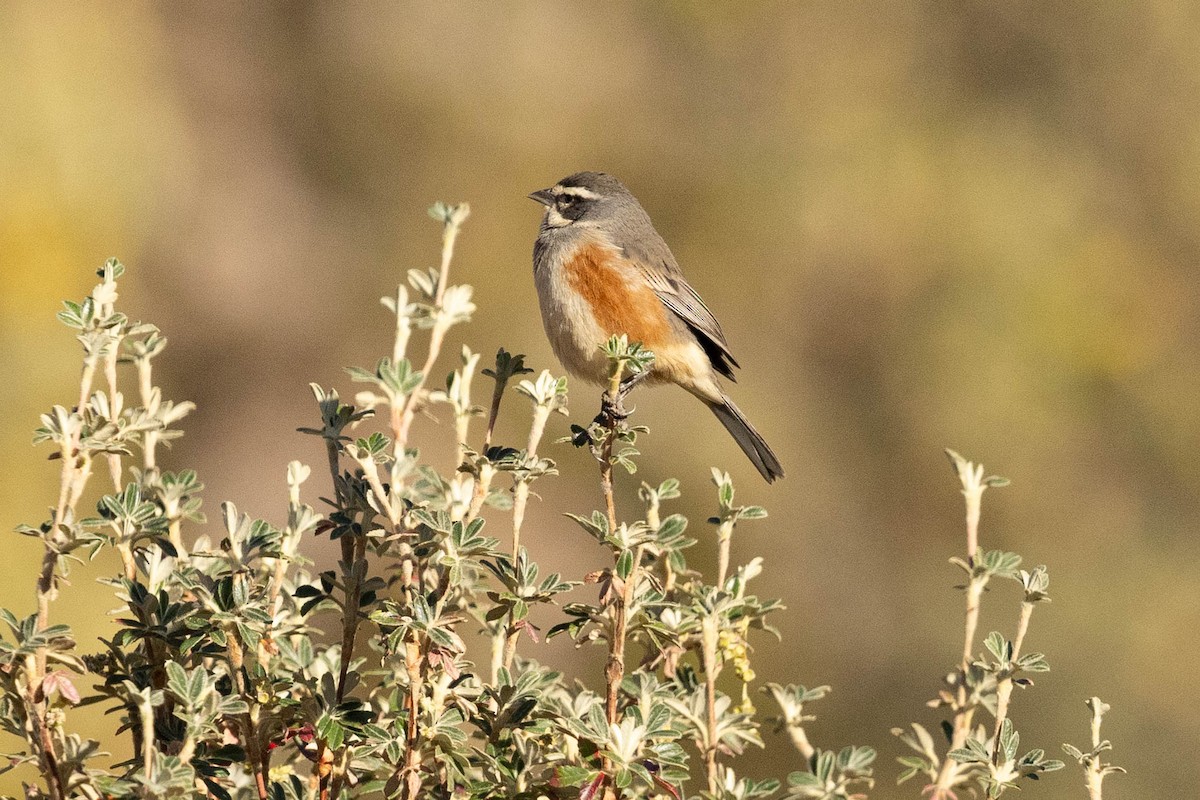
(923, 225)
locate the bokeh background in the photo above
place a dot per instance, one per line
(923, 224)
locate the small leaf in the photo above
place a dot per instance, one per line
(998, 646)
(625, 564)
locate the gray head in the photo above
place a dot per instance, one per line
(585, 199)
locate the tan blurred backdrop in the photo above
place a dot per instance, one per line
(923, 224)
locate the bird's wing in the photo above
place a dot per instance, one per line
(664, 276)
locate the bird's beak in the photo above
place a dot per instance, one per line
(543, 196)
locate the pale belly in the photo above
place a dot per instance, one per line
(570, 326)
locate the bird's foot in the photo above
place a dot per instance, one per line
(613, 408)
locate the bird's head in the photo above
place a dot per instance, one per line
(583, 199)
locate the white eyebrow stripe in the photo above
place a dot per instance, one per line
(578, 191)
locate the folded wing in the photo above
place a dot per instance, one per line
(664, 276)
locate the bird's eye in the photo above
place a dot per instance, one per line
(566, 199)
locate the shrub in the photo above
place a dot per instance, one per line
(239, 668)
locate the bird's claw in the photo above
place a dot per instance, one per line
(613, 408)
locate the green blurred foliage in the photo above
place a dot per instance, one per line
(922, 224)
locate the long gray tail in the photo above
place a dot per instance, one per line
(751, 442)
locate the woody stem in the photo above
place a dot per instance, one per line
(614, 670)
(708, 635)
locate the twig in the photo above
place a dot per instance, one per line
(354, 558)
(479, 493)
(541, 413)
(353, 552)
(441, 323)
(494, 410)
(146, 394)
(236, 656)
(800, 741)
(724, 538)
(708, 641)
(1095, 774)
(1004, 686)
(326, 786)
(76, 469)
(1094, 768)
(614, 670)
(973, 483)
(146, 713)
(401, 425)
(411, 783)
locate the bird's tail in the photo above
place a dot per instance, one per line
(750, 440)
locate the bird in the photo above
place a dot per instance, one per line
(601, 269)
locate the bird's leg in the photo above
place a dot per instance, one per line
(633, 380)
